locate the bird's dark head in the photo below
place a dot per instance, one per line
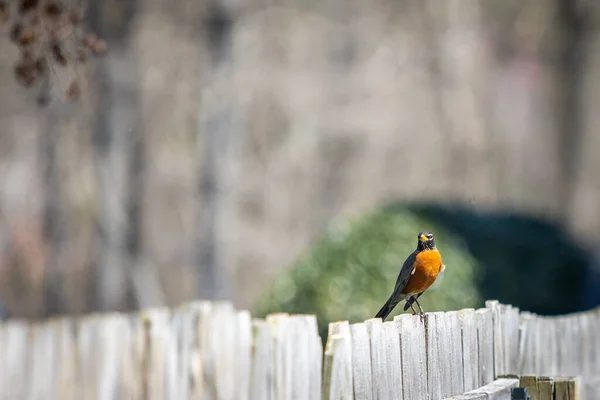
(425, 241)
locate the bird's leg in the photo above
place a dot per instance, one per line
(412, 307)
(420, 308)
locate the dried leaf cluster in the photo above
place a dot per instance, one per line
(48, 33)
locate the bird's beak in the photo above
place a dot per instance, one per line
(423, 238)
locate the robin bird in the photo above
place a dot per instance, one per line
(418, 273)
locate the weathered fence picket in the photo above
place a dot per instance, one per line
(470, 358)
(209, 350)
(337, 363)
(413, 355)
(485, 346)
(393, 359)
(361, 361)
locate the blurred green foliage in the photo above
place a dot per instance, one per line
(526, 261)
(349, 273)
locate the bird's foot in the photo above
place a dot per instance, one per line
(422, 315)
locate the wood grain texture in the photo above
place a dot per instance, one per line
(498, 336)
(393, 359)
(569, 389)
(530, 383)
(549, 354)
(498, 389)
(361, 362)
(511, 338)
(315, 348)
(280, 326)
(566, 336)
(243, 353)
(337, 366)
(455, 353)
(436, 357)
(545, 387)
(306, 348)
(380, 383)
(485, 346)
(413, 355)
(263, 367)
(444, 355)
(470, 358)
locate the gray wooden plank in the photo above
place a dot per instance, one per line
(201, 366)
(316, 356)
(281, 326)
(485, 342)
(224, 341)
(128, 372)
(263, 366)
(498, 340)
(413, 355)
(589, 339)
(159, 337)
(592, 358)
(511, 339)
(243, 353)
(529, 357)
(393, 360)
(67, 360)
(444, 355)
(590, 388)
(549, 347)
(437, 365)
(182, 346)
(43, 343)
(470, 358)
(455, 354)
(298, 348)
(498, 389)
(535, 353)
(15, 360)
(361, 361)
(303, 363)
(88, 356)
(565, 335)
(469, 396)
(217, 331)
(579, 326)
(337, 365)
(380, 383)
(522, 360)
(204, 385)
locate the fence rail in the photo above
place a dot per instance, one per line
(208, 350)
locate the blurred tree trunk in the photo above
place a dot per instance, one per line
(53, 228)
(573, 47)
(115, 140)
(215, 130)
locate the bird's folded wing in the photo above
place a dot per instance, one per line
(408, 268)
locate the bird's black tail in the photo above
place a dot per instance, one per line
(387, 307)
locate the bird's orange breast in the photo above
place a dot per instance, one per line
(428, 265)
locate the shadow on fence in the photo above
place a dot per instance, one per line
(211, 351)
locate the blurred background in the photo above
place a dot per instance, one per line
(284, 154)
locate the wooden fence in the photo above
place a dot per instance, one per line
(212, 351)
